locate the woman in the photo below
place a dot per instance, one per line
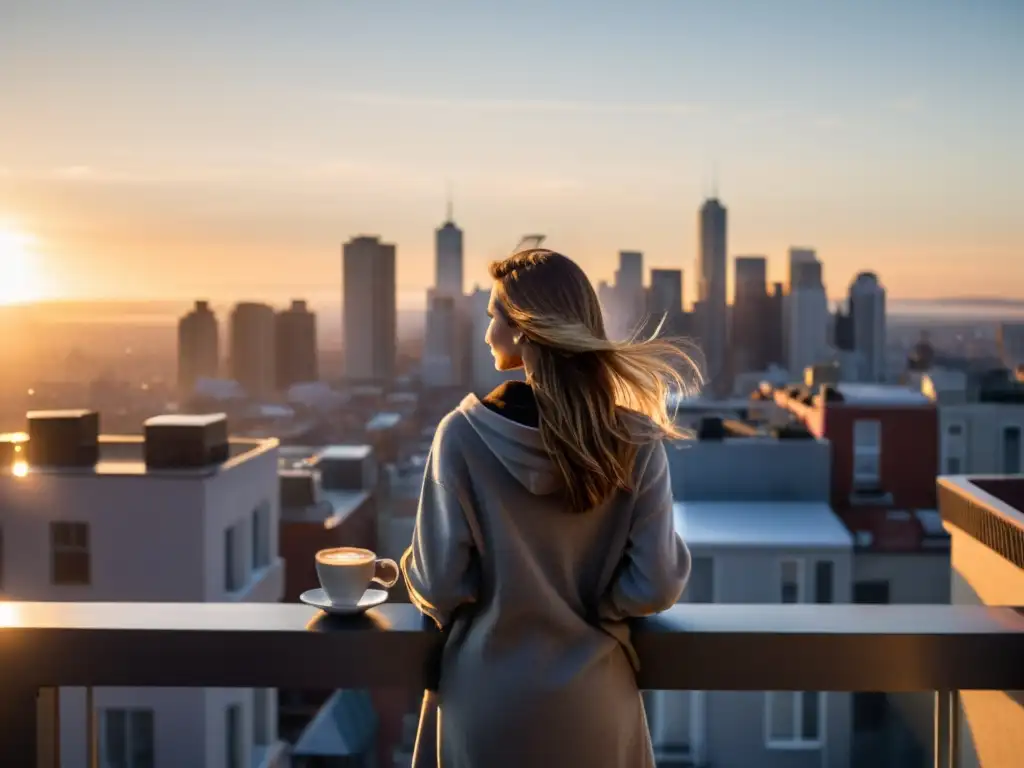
(545, 522)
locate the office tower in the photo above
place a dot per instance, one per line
(775, 335)
(629, 285)
(1010, 338)
(666, 292)
(198, 347)
(867, 313)
(369, 314)
(295, 338)
(253, 349)
(807, 315)
(448, 257)
(445, 353)
(797, 257)
(165, 521)
(711, 292)
(750, 304)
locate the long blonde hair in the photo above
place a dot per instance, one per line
(599, 400)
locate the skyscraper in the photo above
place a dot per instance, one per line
(806, 314)
(629, 284)
(867, 313)
(448, 257)
(711, 280)
(253, 350)
(198, 347)
(295, 338)
(750, 305)
(369, 314)
(665, 295)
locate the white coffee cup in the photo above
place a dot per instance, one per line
(345, 573)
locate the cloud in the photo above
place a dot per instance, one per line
(519, 105)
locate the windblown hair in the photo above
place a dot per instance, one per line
(599, 400)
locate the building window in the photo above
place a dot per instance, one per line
(701, 586)
(69, 554)
(233, 736)
(867, 453)
(791, 581)
(794, 719)
(1011, 450)
(955, 430)
(261, 536)
(824, 579)
(234, 554)
(261, 716)
(126, 739)
(952, 466)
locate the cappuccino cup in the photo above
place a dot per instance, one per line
(345, 573)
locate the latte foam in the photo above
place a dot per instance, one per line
(351, 556)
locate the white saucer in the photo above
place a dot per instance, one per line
(370, 599)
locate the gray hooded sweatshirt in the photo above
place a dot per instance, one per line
(538, 669)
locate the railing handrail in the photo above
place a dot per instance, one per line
(690, 647)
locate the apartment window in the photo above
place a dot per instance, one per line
(261, 716)
(955, 430)
(791, 581)
(69, 554)
(794, 719)
(234, 567)
(126, 739)
(233, 736)
(953, 465)
(824, 579)
(261, 536)
(867, 453)
(701, 586)
(1011, 450)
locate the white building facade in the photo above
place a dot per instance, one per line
(119, 531)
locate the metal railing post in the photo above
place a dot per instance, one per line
(19, 736)
(947, 729)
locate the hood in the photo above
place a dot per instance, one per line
(519, 448)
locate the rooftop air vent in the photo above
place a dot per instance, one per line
(186, 442)
(300, 488)
(63, 438)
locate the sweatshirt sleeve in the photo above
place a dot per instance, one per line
(439, 566)
(656, 563)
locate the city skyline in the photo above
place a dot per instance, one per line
(298, 131)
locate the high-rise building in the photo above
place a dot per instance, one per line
(750, 306)
(295, 337)
(807, 314)
(369, 312)
(1010, 338)
(483, 376)
(253, 350)
(711, 292)
(867, 313)
(444, 355)
(448, 257)
(198, 347)
(775, 335)
(629, 285)
(665, 295)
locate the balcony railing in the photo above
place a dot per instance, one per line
(691, 647)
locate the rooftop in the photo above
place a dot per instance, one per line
(123, 456)
(771, 524)
(896, 530)
(880, 395)
(345, 452)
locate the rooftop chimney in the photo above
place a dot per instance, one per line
(186, 441)
(63, 438)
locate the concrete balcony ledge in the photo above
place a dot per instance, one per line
(690, 647)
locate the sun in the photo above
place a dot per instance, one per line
(20, 280)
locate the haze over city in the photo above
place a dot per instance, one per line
(166, 152)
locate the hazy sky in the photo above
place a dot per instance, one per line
(227, 148)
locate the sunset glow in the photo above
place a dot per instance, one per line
(20, 279)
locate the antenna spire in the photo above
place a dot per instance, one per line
(449, 205)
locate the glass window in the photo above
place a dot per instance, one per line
(1011, 450)
(260, 716)
(69, 553)
(261, 536)
(955, 429)
(794, 719)
(823, 581)
(233, 737)
(791, 586)
(234, 576)
(952, 466)
(126, 739)
(867, 452)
